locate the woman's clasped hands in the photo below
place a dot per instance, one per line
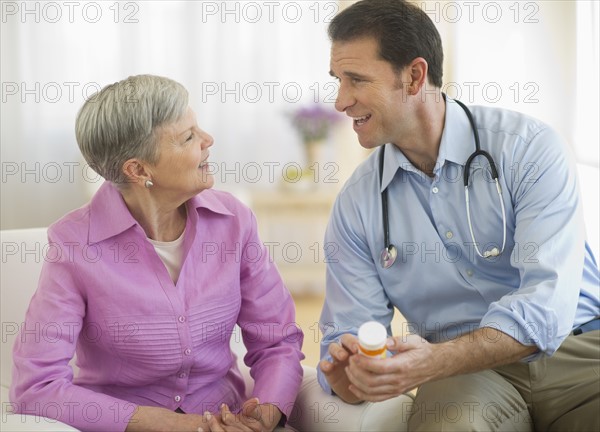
(254, 417)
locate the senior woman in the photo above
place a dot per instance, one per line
(151, 278)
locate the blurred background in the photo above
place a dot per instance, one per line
(256, 70)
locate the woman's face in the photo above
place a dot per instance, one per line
(182, 170)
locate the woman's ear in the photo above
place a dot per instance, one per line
(136, 172)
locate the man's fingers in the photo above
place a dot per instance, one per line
(343, 348)
(371, 383)
(349, 343)
(325, 366)
(404, 343)
(338, 352)
(371, 396)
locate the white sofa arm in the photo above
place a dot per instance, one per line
(22, 258)
(30, 423)
(11, 422)
(316, 410)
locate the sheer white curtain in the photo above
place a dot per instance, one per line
(516, 54)
(537, 57)
(246, 64)
(587, 137)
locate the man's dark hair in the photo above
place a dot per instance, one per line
(402, 30)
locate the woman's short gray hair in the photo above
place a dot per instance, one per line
(120, 122)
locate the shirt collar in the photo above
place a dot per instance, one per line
(458, 141)
(211, 201)
(109, 215)
(393, 159)
(456, 145)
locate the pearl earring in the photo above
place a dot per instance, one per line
(148, 184)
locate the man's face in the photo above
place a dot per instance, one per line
(371, 92)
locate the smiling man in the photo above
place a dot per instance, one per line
(491, 270)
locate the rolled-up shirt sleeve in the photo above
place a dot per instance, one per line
(549, 248)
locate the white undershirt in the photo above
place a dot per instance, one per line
(171, 254)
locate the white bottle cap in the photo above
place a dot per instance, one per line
(372, 335)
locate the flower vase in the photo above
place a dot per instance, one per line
(306, 177)
(314, 150)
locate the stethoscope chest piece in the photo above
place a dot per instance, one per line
(388, 256)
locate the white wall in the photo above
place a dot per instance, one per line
(519, 56)
(535, 53)
(537, 57)
(246, 65)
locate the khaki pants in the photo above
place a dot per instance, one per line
(558, 393)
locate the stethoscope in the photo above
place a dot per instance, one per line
(390, 253)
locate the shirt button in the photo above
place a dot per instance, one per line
(449, 235)
(435, 189)
(469, 272)
(177, 398)
(181, 319)
(182, 375)
(187, 351)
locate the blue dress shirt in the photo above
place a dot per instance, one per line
(543, 285)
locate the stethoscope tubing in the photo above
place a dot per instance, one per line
(389, 252)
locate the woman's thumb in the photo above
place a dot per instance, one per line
(250, 408)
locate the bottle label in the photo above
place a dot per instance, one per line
(373, 353)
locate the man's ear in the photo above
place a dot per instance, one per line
(136, 171)
(418, 75)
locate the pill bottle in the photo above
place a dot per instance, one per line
(371, 339)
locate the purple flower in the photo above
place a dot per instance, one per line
(313, 122)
